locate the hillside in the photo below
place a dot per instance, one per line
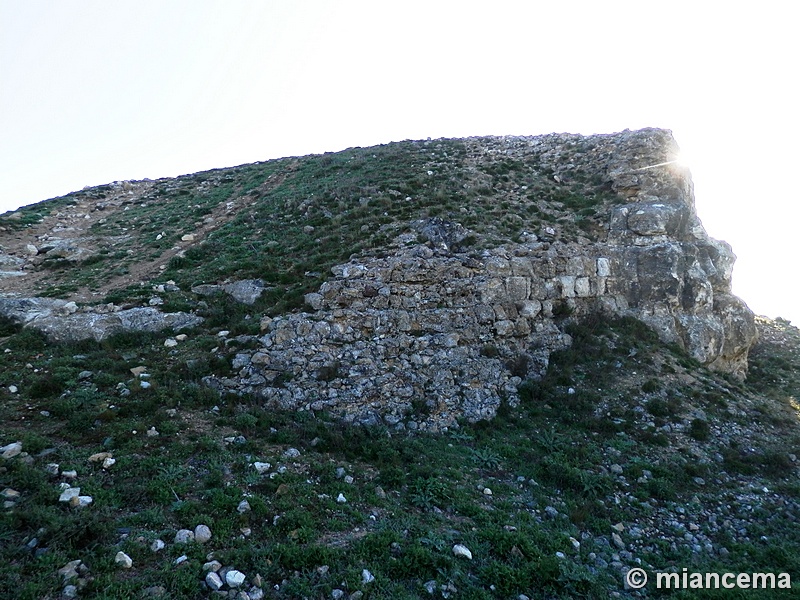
(349, 366)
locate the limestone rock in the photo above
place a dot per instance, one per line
(184, 536)
(235, 578)
(246, 291)
(123, 560)
(202, 534)
(11, 450)
(61, 323)
(213, 580)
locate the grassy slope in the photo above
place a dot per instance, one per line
(726, 441)
(281, 220)
(565, 442)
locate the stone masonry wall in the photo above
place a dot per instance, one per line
(426, 335)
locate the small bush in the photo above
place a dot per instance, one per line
(650, 386)
(8, 326)
(700, 430)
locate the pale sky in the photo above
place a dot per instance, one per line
(97, 91)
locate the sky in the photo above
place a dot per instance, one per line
(93, 91)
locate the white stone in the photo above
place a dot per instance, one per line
(181, 559)
(367, 577)
(244, 506)
(108, 462)
(202, 534)
(234, 578)
(184, 536)
(213, 581)
(123, 560)
(9, 494)
(213, 565)
(11, 450)
(262, 467)
(463, 551)
(12, 389)
(170, 343)
(52, 468)
(292, 453)
(256, 593)
(157, 545)
(530, 308)
(603, 267)
(582, 287)
(341, 499)
(69, 493)
(81, 501)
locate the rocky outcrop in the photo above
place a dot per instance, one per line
(246, 291)
(63, 321)
(431, 332)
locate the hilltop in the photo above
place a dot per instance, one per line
(352, 367)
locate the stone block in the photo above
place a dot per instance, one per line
(603, 267)
(493, 291)
(582, 287)
(567, 286)
(504, 328)
(529, 308)
(517, 289)
(521, 267)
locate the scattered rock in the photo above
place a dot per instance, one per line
(184, 536)
(13, 449)
(213, 565)
(235, 578)
(100, 457)
(462, 551)
(262, 467)
(80, 501)
(69, 493)
(123, 560)
(214, 581)
(202, 534)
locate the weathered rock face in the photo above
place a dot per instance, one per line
(428, 334)
(63, 321)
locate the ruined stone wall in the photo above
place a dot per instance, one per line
(425, 335)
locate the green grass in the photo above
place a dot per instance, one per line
(616, 399)
(551, 450)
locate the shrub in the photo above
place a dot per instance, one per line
(700, 430)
